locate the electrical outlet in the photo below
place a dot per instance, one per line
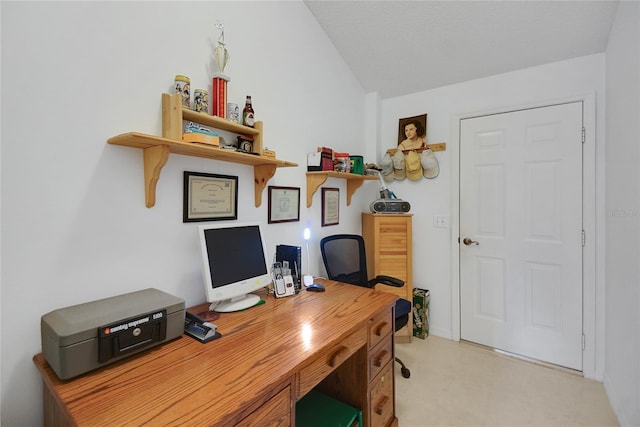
(441, 221)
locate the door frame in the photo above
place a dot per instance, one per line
(592, 257)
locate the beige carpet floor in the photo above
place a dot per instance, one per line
(461, 384)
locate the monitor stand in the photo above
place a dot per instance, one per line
(208, 316)
(235, 304)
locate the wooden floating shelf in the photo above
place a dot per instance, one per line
(316, 179)
(217, 122)
(438, 146)
(141, 140)
(156, 149)
(156, 152)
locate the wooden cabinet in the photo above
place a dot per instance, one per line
(388, 244)
(156, 149)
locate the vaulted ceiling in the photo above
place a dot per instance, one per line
(401, 47)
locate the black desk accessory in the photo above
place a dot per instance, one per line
(292, 254)
(316, 287)
(197, 328)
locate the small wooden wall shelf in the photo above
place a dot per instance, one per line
(354, 181)
(156, 149)
(438, 146)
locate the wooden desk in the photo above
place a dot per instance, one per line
(269, 356)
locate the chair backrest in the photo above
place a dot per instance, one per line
(344, 259)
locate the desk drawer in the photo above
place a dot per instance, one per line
(328, 361)
(276, 411)
(380, 327)
(382, 399)
(380, 356)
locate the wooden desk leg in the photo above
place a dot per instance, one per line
(54, 414)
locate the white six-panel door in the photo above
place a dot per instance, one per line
(521, 213)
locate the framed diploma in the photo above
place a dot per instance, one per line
(284, 204)
(330, 206)
(209, 197)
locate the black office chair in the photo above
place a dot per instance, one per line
(345, 260)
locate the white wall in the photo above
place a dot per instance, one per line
(432, 267)
(74, 224)
(622, 373)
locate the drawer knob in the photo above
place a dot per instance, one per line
(380, 328)
(335, 356)
(381, 356)
(382, 404)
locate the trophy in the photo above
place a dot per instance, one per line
(221, 56)
(220, 53)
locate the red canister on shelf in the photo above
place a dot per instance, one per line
(342, 163)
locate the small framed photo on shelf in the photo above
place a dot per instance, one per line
(330, 206)
(284, 204)
(209, 197)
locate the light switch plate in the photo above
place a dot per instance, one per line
(441, 221)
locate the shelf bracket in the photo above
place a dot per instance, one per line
(261, 175)
(313, 182)
(352, 186)
(154, 159)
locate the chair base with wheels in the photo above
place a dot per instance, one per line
(345, 260)
(403, 310)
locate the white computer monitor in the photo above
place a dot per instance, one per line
(234, 264)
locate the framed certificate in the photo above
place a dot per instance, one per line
(209, 197)
(284, 204)
(330, 206)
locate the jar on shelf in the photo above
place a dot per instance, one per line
(183, 87)
(342, 163)
(357, 164)
(233, 112)
(201, 100)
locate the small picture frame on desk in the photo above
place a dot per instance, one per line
(330, 206)
(284, 204)
(209, 197)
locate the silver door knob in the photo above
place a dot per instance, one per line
(467, 241)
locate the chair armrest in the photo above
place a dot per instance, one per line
(387, 280)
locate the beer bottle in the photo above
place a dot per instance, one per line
(247, 113)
